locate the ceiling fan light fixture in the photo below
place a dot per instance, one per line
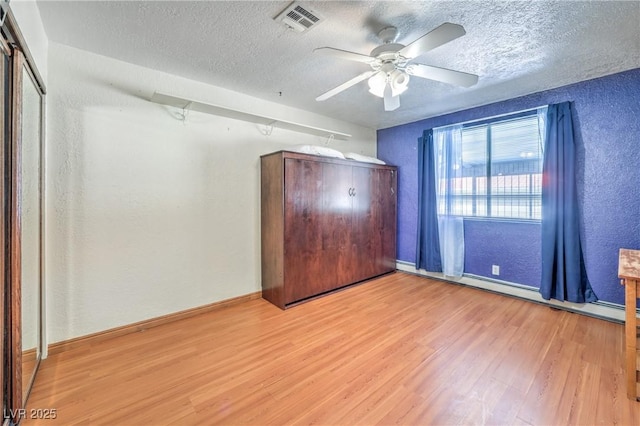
(399, 82)
(391, 66)
(377, 83)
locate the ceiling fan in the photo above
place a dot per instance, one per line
(391, 64)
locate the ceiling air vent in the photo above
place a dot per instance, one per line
(299, 18)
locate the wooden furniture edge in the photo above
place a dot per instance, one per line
(336, 290)
(629, 277)
(76, 342)
(326, 159)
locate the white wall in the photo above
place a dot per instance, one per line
(148, 215)
(27, 15)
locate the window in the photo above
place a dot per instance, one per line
(501, 174)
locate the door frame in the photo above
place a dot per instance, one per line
(13, 43)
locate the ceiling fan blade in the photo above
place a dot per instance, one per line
(344, 54)
(391, 103)
(345, 86)
(437, 37)
(444, 75)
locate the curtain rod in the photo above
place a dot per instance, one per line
(477, 120)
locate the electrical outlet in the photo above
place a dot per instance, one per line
(495, 269)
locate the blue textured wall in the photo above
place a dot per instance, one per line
(607, 120)
(514, 246)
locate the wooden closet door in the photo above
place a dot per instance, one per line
(374, 222)
(385, 200)
(303, 260)
(336, 225)
(363, 230)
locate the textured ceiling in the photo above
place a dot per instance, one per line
(516, 47)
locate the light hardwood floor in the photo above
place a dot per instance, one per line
(400, 349)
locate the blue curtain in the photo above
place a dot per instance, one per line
(564, 275)
(428, 240)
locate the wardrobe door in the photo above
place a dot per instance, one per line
(385, 201)
(31, 227)
(336, 225)
(303, 261)
(374, 218)
(363, 236)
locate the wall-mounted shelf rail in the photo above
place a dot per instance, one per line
(235, 114)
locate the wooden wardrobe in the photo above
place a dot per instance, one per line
(326, 223)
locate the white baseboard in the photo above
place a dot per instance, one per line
(604, 310)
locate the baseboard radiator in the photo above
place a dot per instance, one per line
(604, 310)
